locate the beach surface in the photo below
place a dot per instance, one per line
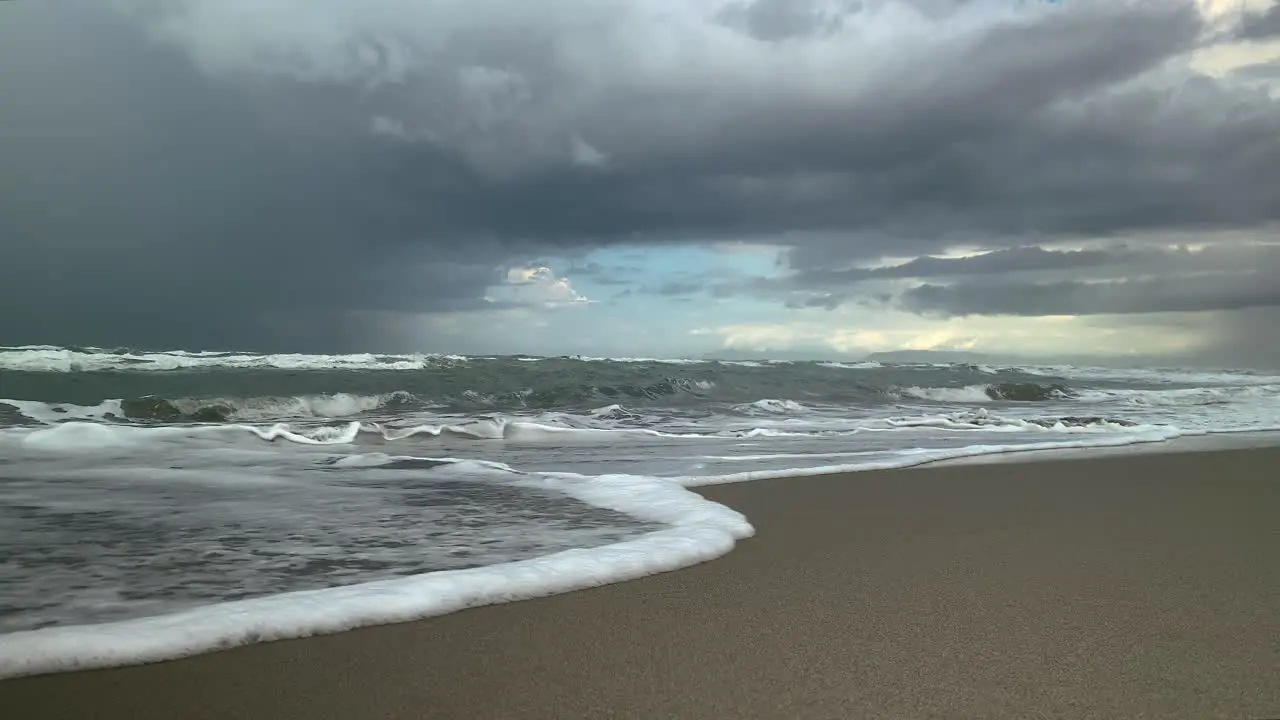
(1138, 586)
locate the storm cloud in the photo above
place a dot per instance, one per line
(1095, 298)
(239, 173)
(1263, 25)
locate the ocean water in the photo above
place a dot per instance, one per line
(159, 504)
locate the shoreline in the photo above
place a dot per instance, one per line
(1208, 442)
(701, 531)
(1139, 585)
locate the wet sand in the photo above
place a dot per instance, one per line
(1143, 586)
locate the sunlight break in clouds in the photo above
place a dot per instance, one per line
(536, 286)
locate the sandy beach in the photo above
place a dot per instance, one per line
(1144, 586)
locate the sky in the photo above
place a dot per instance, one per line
(644, 178)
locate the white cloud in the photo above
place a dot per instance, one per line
(584, 153)
(389, 127)
(535, 286)
(761, 337)
(742, 247)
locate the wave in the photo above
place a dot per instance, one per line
(78, 436)
(697, 530)
(536, 415)
(336, 405)
(153, 409)
(1159, 376)
(49, 358)
(54, 413)
(1008, 392)
(568, 395)
(631, 436)
(919, 456)
(1186, 397)
(770, 406)
(864, 365)
(213, 387)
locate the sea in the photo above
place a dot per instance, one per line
(160, 504)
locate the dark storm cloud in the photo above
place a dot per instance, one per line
(143, 206)
(240, 173)
(1117, 261)
(999, 130)
(1222, 277)
(1263, 25)
(1121, 279)
(961, 145)
(1099, 298)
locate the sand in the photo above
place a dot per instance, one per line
(1139, 587)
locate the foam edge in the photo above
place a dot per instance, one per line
(332, 610)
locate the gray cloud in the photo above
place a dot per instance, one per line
(1263, 25)
(1006, 260)
(1120, 279)
(830, 288)
(1259, 71)
(143, 206)
(262, 180)
(826, 301)
(691, 151)
(1242, 334)
(772, 20)
(1193, 294)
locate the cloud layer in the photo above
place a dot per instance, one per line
(1264, 25)
(266, 170)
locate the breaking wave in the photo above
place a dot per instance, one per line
(223, 410)
(1008, 392)
(81, 434)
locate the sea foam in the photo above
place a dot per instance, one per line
(700, 530)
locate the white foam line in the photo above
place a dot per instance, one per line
(316, 612)
(912, 458)
(1240, 430)
(704, 531)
